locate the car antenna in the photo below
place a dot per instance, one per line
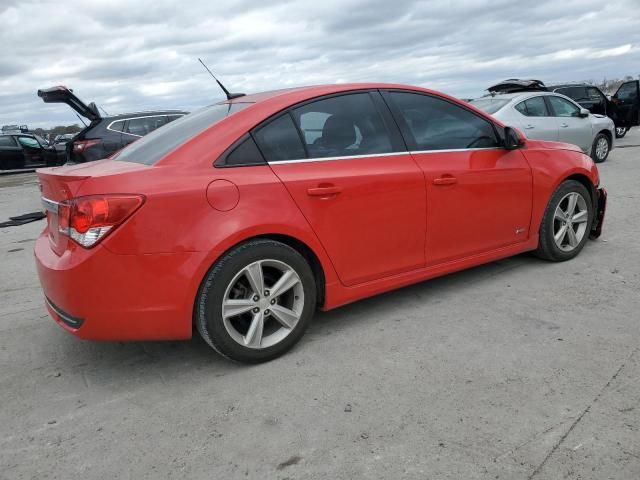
(230, 96)
(81, 120)
(104, 111)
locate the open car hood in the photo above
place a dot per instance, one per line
(513, 85)
(64, 95)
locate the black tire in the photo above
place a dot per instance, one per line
(621, 132)
(547, 248)
(208, 305)
(594, 155)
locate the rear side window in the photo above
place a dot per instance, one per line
(151, 148)
(243, 154)
(341, 126)
(116, 126)
(279, 140)
(533, 107)
(7, 141)
(436, 124)
(145, 125)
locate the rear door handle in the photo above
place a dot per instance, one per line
(445, 180)
(564, 125)
(529, 127)
(327, 191)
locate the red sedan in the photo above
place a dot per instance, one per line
(245, 217)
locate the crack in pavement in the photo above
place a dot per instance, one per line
(584, 412)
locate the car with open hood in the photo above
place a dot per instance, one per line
(241, 219)
(103, 136)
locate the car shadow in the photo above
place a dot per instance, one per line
(105, 362)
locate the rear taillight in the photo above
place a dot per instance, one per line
(88, 219)
(80, 146)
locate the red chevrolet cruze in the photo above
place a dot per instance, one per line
(246, 216)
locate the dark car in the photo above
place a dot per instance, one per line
(26, 150)
(622, 108)
(105, 135)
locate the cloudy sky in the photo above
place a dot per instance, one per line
(142, 54)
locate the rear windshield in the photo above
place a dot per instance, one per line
(152, 147)
(489, 105)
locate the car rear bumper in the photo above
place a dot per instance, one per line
(98, 295)
(601, 207)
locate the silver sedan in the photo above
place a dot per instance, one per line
(551, 116)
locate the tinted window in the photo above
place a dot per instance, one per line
(627, 91)
(7, 141)
(489, 105)
(533, 107)
(437, 124)
(117, 126)
(279, 140)
(145, 125)
(246, 153)
(595, 95)
(342, 126)
(563, 107)
(577, 93)
(29, 142)
(153, 147)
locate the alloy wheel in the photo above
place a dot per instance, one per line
(263, 304)
(602, 148)
(570, 221)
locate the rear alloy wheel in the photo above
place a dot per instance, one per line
(256, 302)
(621, 131)
(566, 223)
(600, 148)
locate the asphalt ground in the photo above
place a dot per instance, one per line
(518, 369)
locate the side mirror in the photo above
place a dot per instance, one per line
(512, 139)
(583, 113)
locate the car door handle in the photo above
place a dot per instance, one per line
(564, 125)
(529, 127)
(445, 180)
(324, 191)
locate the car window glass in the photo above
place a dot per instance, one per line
(342, 126)
(489, 105)
(29, 142)
(144, 126)
(533, 107)
(117, 126)
(578, 93)
(7, 141)
(437, 124)
(595, 95)
(171, 118)
(563, 107)
(246, 153)
(627, 91)
(279, 140)
(151, 148)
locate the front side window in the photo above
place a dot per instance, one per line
(563, 107)
(340, 126)
(533, 107)
(28, 142)
(279, 140)
(595, 95)
(151, 148)
(436, 124)
(627, 91)
(577, 93)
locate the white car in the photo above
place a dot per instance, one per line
(551, 116)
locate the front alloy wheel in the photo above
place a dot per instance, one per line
(570, 221)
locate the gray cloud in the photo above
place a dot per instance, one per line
(137, 55)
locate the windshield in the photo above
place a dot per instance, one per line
(489, 105)
(152, 147)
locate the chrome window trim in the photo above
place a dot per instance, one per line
(357, 157)
(136, 118)
(50, 205)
